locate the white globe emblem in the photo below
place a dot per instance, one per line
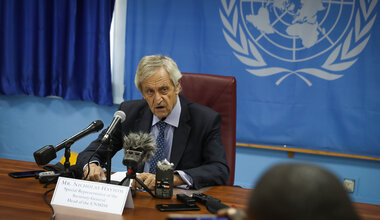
(298, 31)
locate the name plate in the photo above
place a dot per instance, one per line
(90, 195)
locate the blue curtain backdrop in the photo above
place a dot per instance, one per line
(307, 71)
(56, 47)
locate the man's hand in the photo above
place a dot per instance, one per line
(96, 173)
(177, 180)
(148, 179)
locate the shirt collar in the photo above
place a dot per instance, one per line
(173, 117)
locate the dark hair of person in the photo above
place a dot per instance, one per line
(300, 192)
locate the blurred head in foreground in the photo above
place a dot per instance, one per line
(299, 192)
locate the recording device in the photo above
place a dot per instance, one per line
(46, 154)
(212, 204)
(164, 180)
(24, 174)
(48, 176)
(176, 207)
(118, 117)
(188, 204)
(42, 175)
(203, 198)
(138, 148)
(186, 199)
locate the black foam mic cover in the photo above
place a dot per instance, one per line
(45, 155)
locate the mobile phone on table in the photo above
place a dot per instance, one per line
(194, 217)
(177, 207)
(24, 174)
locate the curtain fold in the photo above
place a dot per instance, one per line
(56, 48)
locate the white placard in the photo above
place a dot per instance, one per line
(90, 195)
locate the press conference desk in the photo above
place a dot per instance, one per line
(23, 199)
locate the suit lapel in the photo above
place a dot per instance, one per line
(181, 134)
(143, 123)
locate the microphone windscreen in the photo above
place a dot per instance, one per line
(121, 115)
(44, 155)
(98, 125)
(143, 142)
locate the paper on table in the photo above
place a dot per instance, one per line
(118, 176)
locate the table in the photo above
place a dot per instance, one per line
(23, 199)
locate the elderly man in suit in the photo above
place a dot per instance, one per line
(192, 136)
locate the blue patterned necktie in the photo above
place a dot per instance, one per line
(158, 156)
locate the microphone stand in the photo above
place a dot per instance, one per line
(131, 174)
(108, 171)
(66, 172)
(107, 140)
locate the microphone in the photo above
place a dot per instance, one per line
(119, 116)
(138, 148)
(46, 154)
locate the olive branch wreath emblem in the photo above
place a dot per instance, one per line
(341, 58)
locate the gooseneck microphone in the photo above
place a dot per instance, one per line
(46, 154)
(138, 148)
(118, 117)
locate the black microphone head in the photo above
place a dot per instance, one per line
(44, 155)
(143, 142)
(120, 114)
(98, 125)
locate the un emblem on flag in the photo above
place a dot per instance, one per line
(325, 37)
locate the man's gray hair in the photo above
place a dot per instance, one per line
(149, 66)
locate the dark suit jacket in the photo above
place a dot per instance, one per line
(197, 145)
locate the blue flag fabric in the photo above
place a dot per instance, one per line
(306, 70)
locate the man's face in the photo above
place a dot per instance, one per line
(160, 93)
